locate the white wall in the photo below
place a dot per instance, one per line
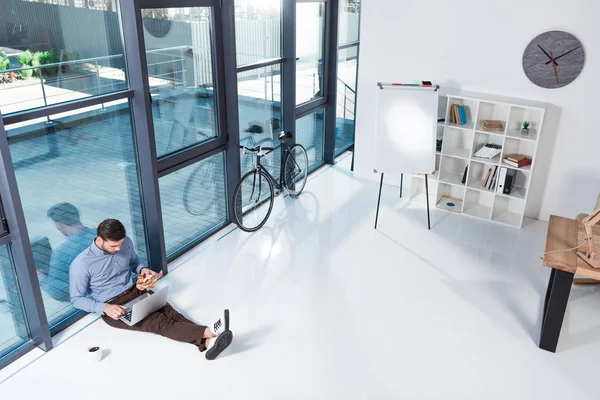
(478, 45)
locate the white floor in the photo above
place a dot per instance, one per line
(325, 307)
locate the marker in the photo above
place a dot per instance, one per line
(405, 84)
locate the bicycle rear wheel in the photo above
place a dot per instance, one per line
(200, 193)
(296, 170)
(253, 201)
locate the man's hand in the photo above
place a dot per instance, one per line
(115, 311)
(147, 271)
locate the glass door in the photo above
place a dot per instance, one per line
(311, 77)
(182, 67)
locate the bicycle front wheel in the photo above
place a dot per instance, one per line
(296, 170)
(253, 201)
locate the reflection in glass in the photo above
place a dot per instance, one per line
(259, 99)
(180, 74)
(310, 132)
(13, 327)
(72, 173)
(310, 42)
(193, 202)
(346, 98)
(53, 53)
(257, 30)
(348, 22)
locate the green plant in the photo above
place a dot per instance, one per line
(26, 59)
(525, 124)
(4, 61)
(47, 57)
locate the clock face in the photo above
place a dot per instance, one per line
(553, 59)
(156, 21)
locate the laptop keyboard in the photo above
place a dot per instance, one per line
(127, 315)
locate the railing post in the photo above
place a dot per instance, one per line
(183, 70)
(98, 87)
(44, 94)
(345, 98)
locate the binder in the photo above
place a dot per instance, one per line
(511, 178)
(501, 180)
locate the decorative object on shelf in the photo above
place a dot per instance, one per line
(553, 59)
(450, 203)
(438, 144)
(491, 125)
(488, 150)
(590, 256)
(525, 128)
(517, 160)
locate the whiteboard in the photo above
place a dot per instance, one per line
(406, 128)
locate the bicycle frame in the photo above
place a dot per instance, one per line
(286, 150)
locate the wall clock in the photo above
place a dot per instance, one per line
(553, 59)
(156, 21)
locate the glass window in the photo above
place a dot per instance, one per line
(13, 327)
(179, 56)
(259, 99)
(193, 201)
(55, 53)
(74, 171)
(348, 21)
(346, 98)
(310, 42)
(257, 30)
(310, 132)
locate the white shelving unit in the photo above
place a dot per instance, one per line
(461, 142)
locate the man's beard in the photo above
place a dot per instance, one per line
(106, 250)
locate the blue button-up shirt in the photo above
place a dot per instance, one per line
(96, 277)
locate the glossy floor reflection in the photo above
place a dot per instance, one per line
(325, 307)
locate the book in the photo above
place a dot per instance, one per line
(462, 114)
(493, 180)
(464, 178)
(493, 125)
(517, 160)
(487, 177)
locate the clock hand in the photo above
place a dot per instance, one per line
(547, 55)
(554, 66)
(562, 55)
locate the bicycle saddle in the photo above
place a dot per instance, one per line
(286, 135)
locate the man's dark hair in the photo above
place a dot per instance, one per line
(65, 213)
(111, 229)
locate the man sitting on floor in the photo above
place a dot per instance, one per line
(104, 272)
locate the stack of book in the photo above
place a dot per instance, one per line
(493, 125)
(458, 114)
(517, 160)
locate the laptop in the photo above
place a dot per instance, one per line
(141, 307)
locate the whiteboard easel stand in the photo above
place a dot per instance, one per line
(417, 86)
(401, 179)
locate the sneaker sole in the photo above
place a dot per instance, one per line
(223, 342)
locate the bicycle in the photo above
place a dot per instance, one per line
(248, 197)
